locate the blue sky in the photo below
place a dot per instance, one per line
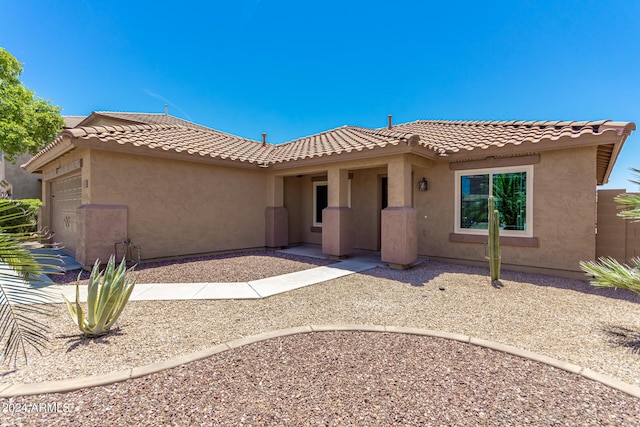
(296, 68)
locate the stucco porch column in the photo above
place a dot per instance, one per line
(338, 235)
(399, 241)
(276, 216)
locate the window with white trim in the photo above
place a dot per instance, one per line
(512, 189)
(321, 200)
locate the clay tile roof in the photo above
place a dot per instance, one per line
(200, 141)
(344, 139)
(171, 134)
(456, 136)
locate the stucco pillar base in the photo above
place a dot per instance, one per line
(276, 226)
(399, 237)
(337, 231)
(99, 228)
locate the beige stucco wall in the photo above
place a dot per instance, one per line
(564, 214)
(365, 202)
(179, 208)
(292, 195)
(617, 237)
(298, 199)
(24, 185)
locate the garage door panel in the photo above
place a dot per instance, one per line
(66, 198)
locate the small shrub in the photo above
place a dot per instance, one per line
(105, 301)
(20, 216)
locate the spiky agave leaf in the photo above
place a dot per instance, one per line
(21, 293)
(92, 292)
(108, 293)
(121, 293)
(608, 272)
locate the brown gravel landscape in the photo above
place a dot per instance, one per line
(232, 267)
(345, 378)
(561, 318)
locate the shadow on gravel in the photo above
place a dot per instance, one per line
(77, 341)
(577, 285)
(418, 275)
(425, 272)
(620, 336)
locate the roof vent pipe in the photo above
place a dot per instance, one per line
(166, 109)
(390, 122)
(264, 139)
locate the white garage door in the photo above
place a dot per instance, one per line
(66, 197)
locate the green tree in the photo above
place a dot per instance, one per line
(608, 272)
(27, 122)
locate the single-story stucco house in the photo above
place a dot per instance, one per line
(414, 189)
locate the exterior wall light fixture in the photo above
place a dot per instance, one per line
(422, 184)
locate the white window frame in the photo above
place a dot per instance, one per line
(315, 199)
(528, 169)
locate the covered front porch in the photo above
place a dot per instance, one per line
(346, 207)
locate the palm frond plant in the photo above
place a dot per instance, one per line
(108, 292)
(609, 272)
(22, 294)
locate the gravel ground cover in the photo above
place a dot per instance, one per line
(233, 267)
(561, 318)
(344, 378)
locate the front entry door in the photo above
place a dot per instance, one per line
(383, 202)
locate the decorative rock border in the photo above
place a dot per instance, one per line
(63, 386)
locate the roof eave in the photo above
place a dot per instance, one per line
(40, 160)
(612, 160)
(624, 129)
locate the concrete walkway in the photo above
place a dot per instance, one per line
(242, 290)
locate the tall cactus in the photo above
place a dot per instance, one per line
(494, 241)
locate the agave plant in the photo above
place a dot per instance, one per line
(22, 293)
(105, 301)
